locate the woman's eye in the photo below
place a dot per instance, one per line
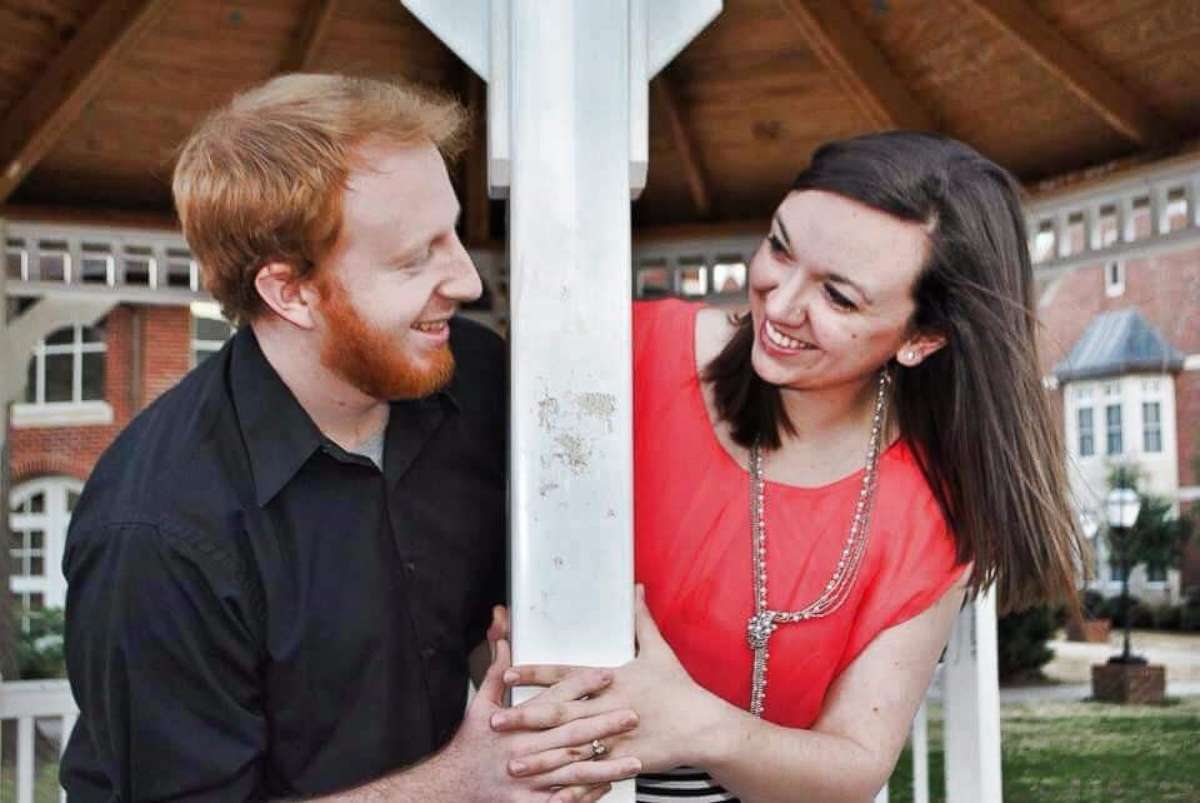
(838, 299)
(776, 245)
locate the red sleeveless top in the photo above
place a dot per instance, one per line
(692, 520)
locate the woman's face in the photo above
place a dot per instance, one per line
(831, 292)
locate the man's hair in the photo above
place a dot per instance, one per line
(261, 179)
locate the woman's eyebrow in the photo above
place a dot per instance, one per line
(783, 232)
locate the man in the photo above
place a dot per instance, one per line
(276, 573)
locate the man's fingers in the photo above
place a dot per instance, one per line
(580, 794)
(580, 731)
(538, 674)
(492, 689)
(498, 629)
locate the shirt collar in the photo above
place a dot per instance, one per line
(279, 435)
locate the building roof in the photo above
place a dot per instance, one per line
(1115, 343)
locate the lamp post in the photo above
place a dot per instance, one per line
(1122, 508)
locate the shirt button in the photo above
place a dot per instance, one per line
(410, 567)
(428, 653)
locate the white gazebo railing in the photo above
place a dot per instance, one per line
(965, 685)
(40, 709)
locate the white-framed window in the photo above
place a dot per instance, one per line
(209, 330)
(1141, 223)
(693, 279)
(1108, 230)
(1114, 443)
(1087, 431)
(653, 280)
(65, 380)
(39, 512)
(16, 259)
(1175, 211)
(1152, 440)
(54, 261)
(1114, 278)
(1156, 573)
(729, 276)
(1044, 242)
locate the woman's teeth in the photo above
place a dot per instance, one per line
(432, 327)
(783, 341)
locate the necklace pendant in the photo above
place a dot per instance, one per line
(759, 629)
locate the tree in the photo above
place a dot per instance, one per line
(1158, 537)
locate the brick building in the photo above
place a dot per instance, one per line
(1127, 246)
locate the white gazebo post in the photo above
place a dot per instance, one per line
(568, 145)
(971, 697)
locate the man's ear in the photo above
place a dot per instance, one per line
(917, 349)
(286, 296)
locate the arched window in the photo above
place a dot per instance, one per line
(39, 512)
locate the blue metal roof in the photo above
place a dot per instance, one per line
(1115, 343)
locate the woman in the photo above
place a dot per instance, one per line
(805, 591)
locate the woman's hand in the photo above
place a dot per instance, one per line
(677, 718)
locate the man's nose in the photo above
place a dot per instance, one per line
(463, 283)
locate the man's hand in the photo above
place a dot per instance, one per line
(484, 758)
(677, 716)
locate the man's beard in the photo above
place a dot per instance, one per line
(372, 359)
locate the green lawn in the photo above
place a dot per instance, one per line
(1052, 753)
(1084, 752)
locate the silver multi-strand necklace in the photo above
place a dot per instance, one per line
(765, 621)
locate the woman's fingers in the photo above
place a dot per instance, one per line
(580, 731)
(588, 773)
(549, 760)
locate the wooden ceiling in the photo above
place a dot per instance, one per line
(96, 95)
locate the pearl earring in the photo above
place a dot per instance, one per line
(912, 355)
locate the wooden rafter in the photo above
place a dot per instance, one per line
(318, 19)
(1119, 107)
(477, 212)
(840, 43)
(693, 168)
(72, 80)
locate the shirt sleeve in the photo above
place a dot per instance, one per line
(918, 565)
(162, 662)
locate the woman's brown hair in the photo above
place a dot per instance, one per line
(975, 412)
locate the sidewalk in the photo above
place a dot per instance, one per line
(1070, 669)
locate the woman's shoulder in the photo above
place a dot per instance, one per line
(663, 329)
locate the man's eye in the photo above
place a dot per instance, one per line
(838, 299)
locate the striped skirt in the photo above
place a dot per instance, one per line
(679, 784)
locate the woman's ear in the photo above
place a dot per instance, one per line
(917, 348)
(286, 296)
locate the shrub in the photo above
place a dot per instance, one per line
(1168, 617)
(40, 646)
(1139, 613)
(1022, 641)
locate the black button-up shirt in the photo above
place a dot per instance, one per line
(253, 612)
